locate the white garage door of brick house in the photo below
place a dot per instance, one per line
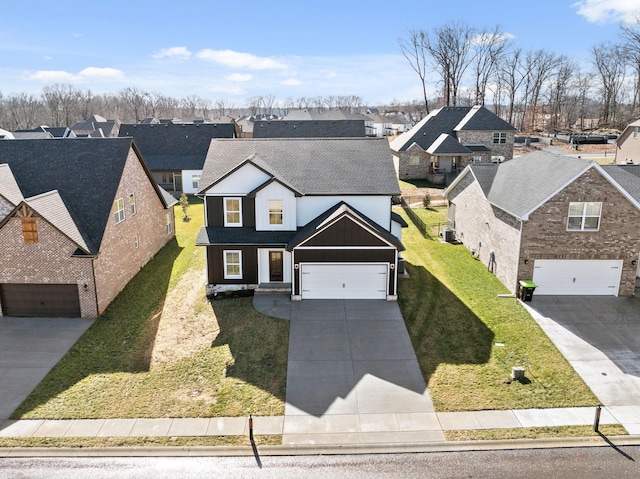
(577, 277)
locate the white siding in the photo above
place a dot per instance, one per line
(376, 208)
(263, 265)
(275, 191)
(396, 230)
(187, 181)
(240, 182)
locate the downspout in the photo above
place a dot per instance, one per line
(95, 285)
(515, 285)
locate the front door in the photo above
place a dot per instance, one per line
(275, 266)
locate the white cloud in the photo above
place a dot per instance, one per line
(608, 11)
(231, 90)
(177, 53)
(331, 75)
(291, 82)
(240, 77)
(234, 59)
(89, 73)
(93, 72)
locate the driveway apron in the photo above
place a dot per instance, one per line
(352, 374)
(29, 348)
(600, 337)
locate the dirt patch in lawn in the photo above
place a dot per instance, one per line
(186, 323)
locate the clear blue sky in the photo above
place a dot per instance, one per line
(235, 50)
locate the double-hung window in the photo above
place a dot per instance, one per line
(195, 181)
(499, 137)
(118, 210)
(232, 264)
(275, 212)
(584, 216)
(233, 212)
(132, 203)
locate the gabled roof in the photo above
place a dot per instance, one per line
(521, 185)
(449, 120)
(311, 166)
(333, 214)
(628, 176)
(94, 124)
(169, 146)
(9, 188)
(447, 145)
(85, 173)
(308, 129)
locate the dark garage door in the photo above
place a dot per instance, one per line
(54, 300)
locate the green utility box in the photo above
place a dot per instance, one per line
(527, 287)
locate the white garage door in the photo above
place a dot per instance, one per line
(577, 277)
(343, 281)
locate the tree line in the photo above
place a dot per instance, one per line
(64, 104)
(533, 89)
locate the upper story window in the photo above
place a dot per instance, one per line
(29, 230)
(499, 137)
(118, 210)
(132, 204)
(195, 181)
(275, 212)
(414, 160)
(584, 216)
(233, 212)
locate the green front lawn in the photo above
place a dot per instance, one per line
(210, 359)
(467, 338)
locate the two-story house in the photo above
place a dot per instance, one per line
(309, 215)
(79, 217)
(568, 224)
(450, 138)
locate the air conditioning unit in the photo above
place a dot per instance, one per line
(449, 236)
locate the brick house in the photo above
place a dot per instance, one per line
(628, 145)
(567, 223)
(448, 139)
(78, 219)
(311, 217)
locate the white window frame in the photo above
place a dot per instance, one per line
(499, 137)
(118, 210)
(414, 160)
(195, 181)
(275, 212)
(226, 262)
(227, 211)
(584, 215)
(132, 204)
(169, 223)
(476, 159)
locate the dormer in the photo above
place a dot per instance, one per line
(275, 206)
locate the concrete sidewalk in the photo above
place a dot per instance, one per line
(374, 428)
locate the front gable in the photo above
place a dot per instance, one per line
(240, 181)
(345, 232)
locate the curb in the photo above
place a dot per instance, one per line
(318, 450)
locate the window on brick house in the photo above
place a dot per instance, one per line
(584, 216)
(132, 203)
(414, 160)
(29, 230)
(118, 210)
(499, 137)
(169, 224)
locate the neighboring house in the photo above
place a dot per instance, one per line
(628, 145)
(175, 152)
(569, 224)
(309, 129)
(45, 132)
(448, 139)
(78, 219)
(308, 216)
(96, 127)
(387, 125)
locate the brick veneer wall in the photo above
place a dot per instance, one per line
(483, 228)
(47, 261)
(545, 235)
(119, 260)
(475, 137)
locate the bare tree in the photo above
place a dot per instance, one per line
(610, 63)
(221, 106)
(490, 46)
(62, 102)
(253, 104)
(413, 49)
(559, 93)
(135, 101)
(22, 111)
(511, 75)
(267, 102)
(631, 37)
(540, 65)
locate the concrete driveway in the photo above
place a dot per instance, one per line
(600, 337)
(29, 348)
(352, 373)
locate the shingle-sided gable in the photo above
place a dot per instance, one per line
(353, 166)
(447, 145)
(425, 132)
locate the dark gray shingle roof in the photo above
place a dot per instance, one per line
(628, 176)
(220, 235)
(312, 166)
(308, 129)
